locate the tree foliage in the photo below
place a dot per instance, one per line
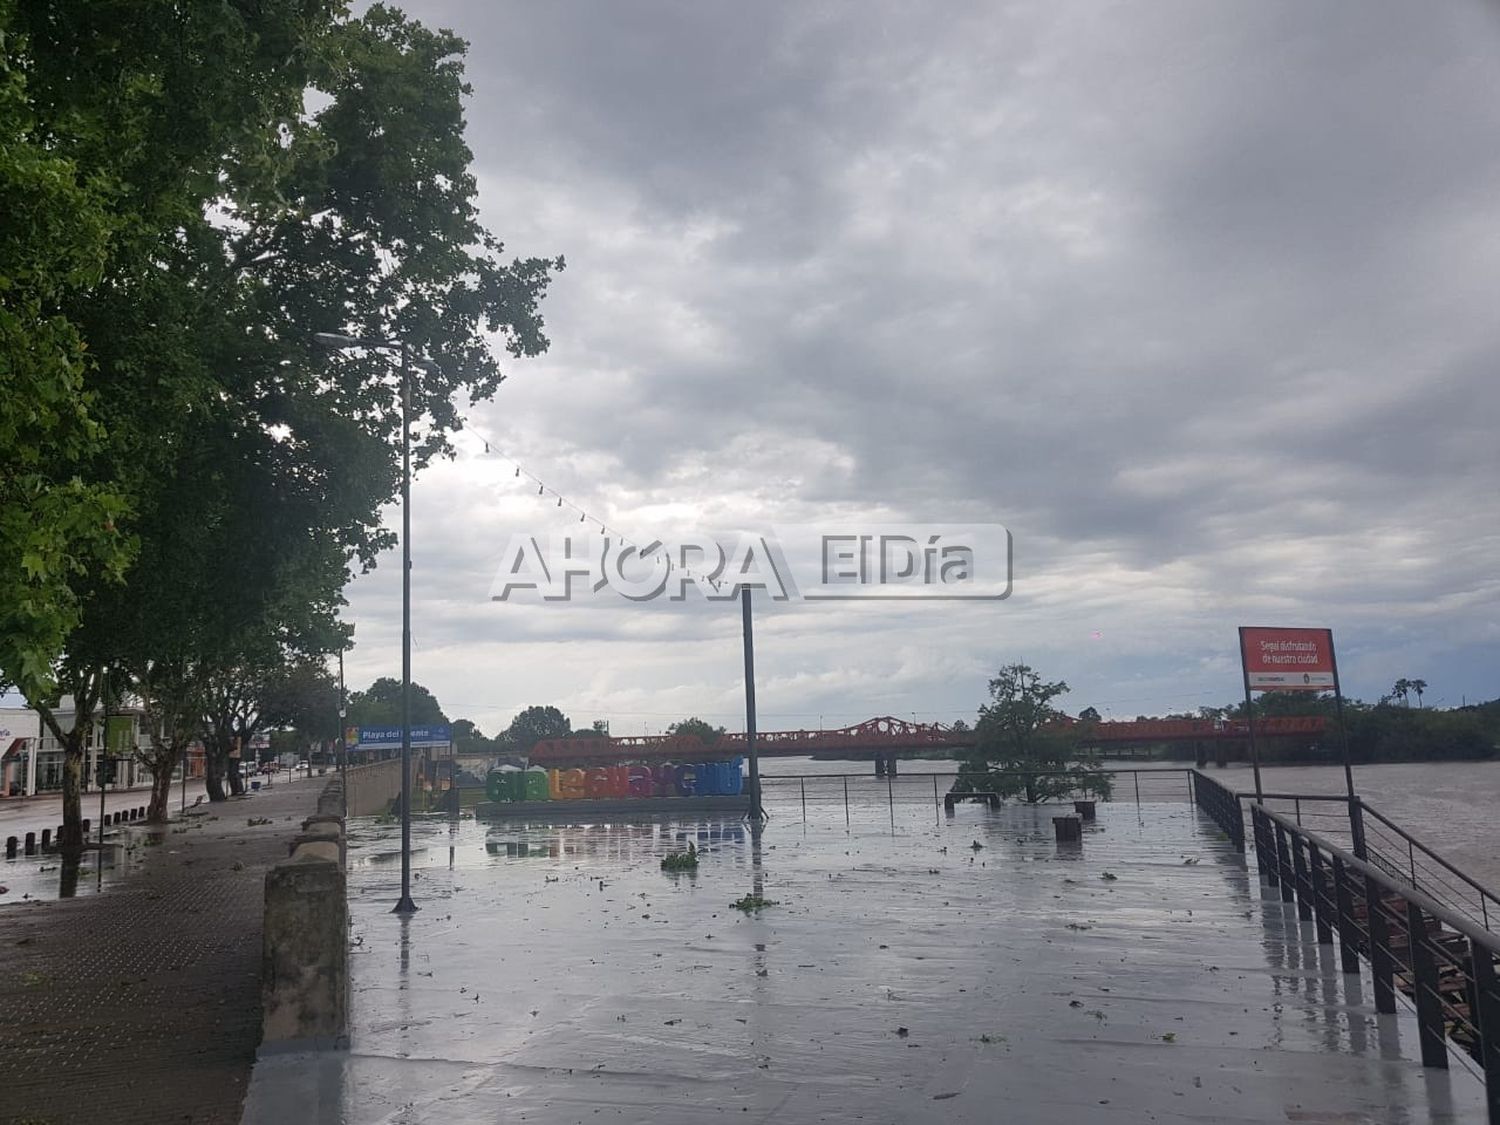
(704, 731)
(533, 725)
(184, 480)
(1025, 745)
(379, 705)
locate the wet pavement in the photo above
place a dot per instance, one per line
(141, 1005)
(556, 974)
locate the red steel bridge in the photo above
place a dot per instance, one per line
(881, 739)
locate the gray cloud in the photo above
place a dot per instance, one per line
(1196, 298)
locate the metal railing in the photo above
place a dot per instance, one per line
(863, 790)
(1371, 836)
(1221, 805)
(1442, 960)
(1400, 854)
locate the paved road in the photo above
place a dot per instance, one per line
(141, 1004)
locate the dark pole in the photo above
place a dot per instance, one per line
(99, 767)
(405, 905)
(343, 746)
(756, 812)
(1250, 721)
(1356, 814)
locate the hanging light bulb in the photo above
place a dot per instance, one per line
(518, 470)
(540, 490)
(486, 448)
(559, 501)
(581, 517)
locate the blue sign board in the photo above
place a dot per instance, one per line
(385, 738)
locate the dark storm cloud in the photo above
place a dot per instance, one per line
(1195, 297)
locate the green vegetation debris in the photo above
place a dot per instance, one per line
(681, 861)
(751, 903)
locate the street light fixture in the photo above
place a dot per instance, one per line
(340, 342)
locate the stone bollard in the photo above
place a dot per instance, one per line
(140, 812)
(86, 824)
(305, 953)
(1069, 829)
(1084, 809)
(10, 847)
(46, 838)
(31, 843)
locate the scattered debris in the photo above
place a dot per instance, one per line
(1109, 876)
(902, 1032)
(752, 903)
(678, 861)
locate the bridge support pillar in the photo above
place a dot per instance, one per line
(890, 765)
(1200, 755)
(1221, 753)
(879, 765)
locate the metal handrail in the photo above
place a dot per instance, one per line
(1453, 920)
(1487, 897)
(1407, 952)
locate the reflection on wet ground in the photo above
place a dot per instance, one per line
(966, 970)
(54, 873)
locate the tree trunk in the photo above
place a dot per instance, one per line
(213, 771)
(236, 779)
(72, 785)
(162, 761)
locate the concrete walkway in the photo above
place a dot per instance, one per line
(958, 971)
(141, 1003)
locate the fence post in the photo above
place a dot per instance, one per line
(802, 784)
(1303, 882)
(937, 805)
(846, 801)
(1284, 865)
(1348, 932)
(1319, 881)
(1137, 775)
(1382, 963)
(1425, 987)
(1487, 1020)
(1265, 849)
(1357, 829)
(890, 798)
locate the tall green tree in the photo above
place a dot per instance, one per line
(379, 705)
(701, 729)
(1025, 745)
(534, 725)
(202, 219)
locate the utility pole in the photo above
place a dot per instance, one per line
(757, 813)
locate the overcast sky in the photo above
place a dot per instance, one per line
(1198, 299)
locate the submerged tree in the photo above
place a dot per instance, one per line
(704, 731)
(1027, 747)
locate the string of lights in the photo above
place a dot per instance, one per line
(544, 491)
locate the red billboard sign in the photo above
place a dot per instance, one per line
(1288, 659)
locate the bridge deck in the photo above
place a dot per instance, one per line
(893, 981)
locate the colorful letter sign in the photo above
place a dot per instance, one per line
(1288, 659)
(700, 779)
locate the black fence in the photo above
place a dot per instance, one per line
(1444, 961)
(1221, 805)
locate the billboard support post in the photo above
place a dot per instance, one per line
(1250, 721)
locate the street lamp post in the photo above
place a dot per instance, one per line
(341, 342)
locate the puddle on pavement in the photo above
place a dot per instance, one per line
(53, 874)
